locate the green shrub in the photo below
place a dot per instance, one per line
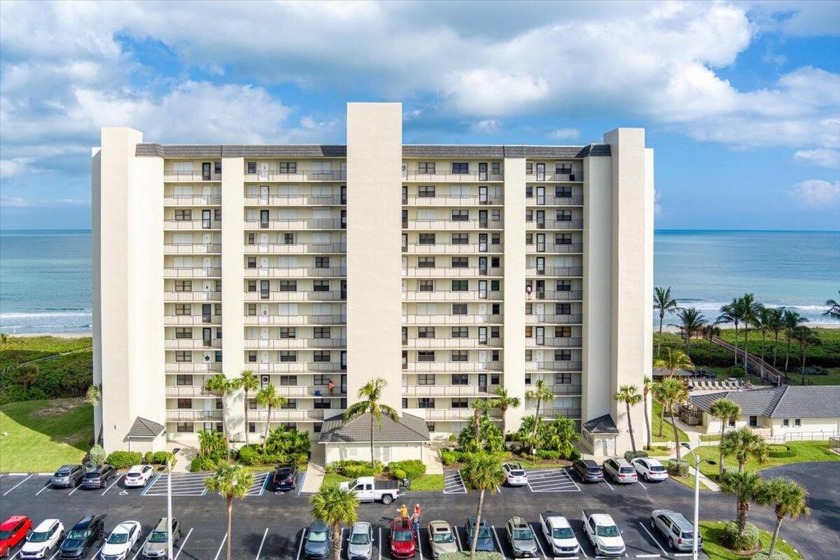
(147, 457)
(735, 371)
(448, 457)
(781, 451)
(160, 458)
(354, 469)
(249, 456)
(413, 468)
(746, 541)
(97, 455)
(629, 455)
(398, 474)
(678, 468)
(548, 455)
(777, 555)
(709, 437)
(200, 463)
(574, 455)
(124, 459)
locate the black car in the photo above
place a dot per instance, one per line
(84, 534)
(98, 477)
(67, 476)
(588, 470)
(284, 478)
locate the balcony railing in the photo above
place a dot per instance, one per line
(423, 343)
(451, 296)
(446, 177)
(450, 249)
(451, 319)
(298, 272)
(472, 225)
(192, 272)
(192, 200)
(192, 296)
(559, 342)
(287, 320)
(289, 415)
(192, 320)
(191, 343)
(190, 176)
(299, 367)
(552, 413)
(295, 343)
(453, 367)
(554, 224)
(302, 175)
(452, 200)
(193, 367)
(448, 272)
(552, 295)
(575, 177)
(187, 391)
(295, 224)
(334, 295)
(192, 224)
(294, 200)
(560, 271)
(445, 391)
(561, 249)
(190, 248)
(560, 365)
(455, 414)
(297, 249)
(185, 415)
(550, 319)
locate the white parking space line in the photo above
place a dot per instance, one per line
(183, 484)
(300, 484)
(419, 544)
(149, 484)
(114, 484)
(258, 486)
(18, 484)
(453, 483)
(16, 554)
(380, 543)
(539, 545)
(551, 480)
(220, 547)
(262, 542)
(38, 493)
(608, 484)
(139, 550)
(642, 485)
(54, 556)
(495, 538)
(458, 538)
(300, 546)
(183, 542)
(642, 525)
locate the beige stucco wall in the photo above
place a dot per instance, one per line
(374, 248)
(361, 451)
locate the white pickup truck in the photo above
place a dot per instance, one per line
(603, 533)
(369, 490)
(558, 532)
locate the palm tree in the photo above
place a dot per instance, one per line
(560, 435)
(750, 317)
(479, 407)
(267, 396)
(805, 337)
(27, 375)
(791, 320)
(710, 331)
(629, 395)
(664, 303)
(503, 402)
(93, 395)
(209, 443)
(833, 308)
(732, 313)
(231, 482)
(247, 382)
(764, 324)
(221, 386)
(788, 499)
(334, 507)
(674, 359)
(371, 394)
(691, 323)
(658, 396)
(542, 393)
(647, 386)
(482, 472)
(776, 325)
(746, 486)
(726, 411)
(743, 443)
(674, 393)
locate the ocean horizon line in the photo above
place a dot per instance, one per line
(662, 230)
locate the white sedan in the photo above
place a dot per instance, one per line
(650, 469)
(121, 540)
(515, 475)
(138, 476)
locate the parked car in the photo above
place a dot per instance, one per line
(284, 478)
(84, 534)
(588, 470)
(43, 540)
(156, 544)
(441, 538)
(558, 532)
(369, 490)
(360, 543)
(603, 533)
(98, 477)
(620, 471)
(121, 541)
(485, 540)
(677, 530)
(67, 476)
(650, 469)
(515, 475)
(12, 532)
(318, 540)
(137, 476)
(402, 538)
(521, 538)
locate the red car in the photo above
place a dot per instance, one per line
(13, 531)
(402, 538)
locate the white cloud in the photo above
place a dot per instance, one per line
(561, 134)
(820, 157)
(13, 202)
(797, 18)
(816, 193)
(487, 126)
(12, 167)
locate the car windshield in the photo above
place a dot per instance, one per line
(39, 537)
(5, 535)
(62, 472)
(626, 470)
(656, 468)
(157, 536)
(359, 538)
(118, 538)
(562, 533)
(443, 538)
(522, 535)
(92, 475)
(688, 534)
(516, 472)
(402, 535)
(317, 536)
(77, 535)
(607, 531)
(594, 469)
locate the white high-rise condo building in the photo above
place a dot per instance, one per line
(447, 270)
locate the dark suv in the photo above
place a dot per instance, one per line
(67, 476)
(84, 534)
(284, 478)
(98, 477)
(588, 470)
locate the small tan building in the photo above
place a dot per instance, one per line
(393, 441)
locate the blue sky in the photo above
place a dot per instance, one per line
(741, 100)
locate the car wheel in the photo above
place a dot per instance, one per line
(84, 552)
(671, 542)
(652, 523)
(387, 499)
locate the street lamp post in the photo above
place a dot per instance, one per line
(169, 463)
(696, 538)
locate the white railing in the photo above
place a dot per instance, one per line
(451, 296)
(575, 177)
(422, 343)
(301, 175)
(447, 177)
(293, 296)
(191, 344)
(450, 249)
(192, 272)
(802, 436)
(287, 320)
(298, 367)
(294, 199)
(297, 249)
(288, 415)
(451, 319)
(552, 319)
(554, 224)
(554, 271)
(193, 367)
(187, 248)
(193, 415)
(448, 367)
(452, 200)
(194, 320)
(295, 343)
(455, 415)
(295, 224)
(192, 224)
(444, 391)
(552, 295)
(189, 176)
(297, 272)
(192, 200)
(473, 225)
(192, 296)
(448, 272)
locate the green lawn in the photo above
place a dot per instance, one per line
(19, 349)
(668, 428)
(713, 530)
(43, 435)
(806, 451)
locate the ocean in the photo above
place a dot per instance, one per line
(45, 276)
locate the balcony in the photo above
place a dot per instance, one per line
(191, 248)
(296, 224)
(190, 176)
(192, 272)
(192, 224)
(553, 366)
(566, 390)
(192, 200)
(184, 391)
(298, 272)
(560, 342)
(453, 343)
(576, 177)
(191, 344)
(294, 343)
(451, 296)
(290, 415)
(299, 367)
(446, 177)
(449, 225)
(449, 201)
(450, 249)
(559, 271)
(554, 224)
(191, 320)
(550, 319)
(451, 319)
(192, 296)
(552, 295)
(184, 415)
(297, 249)
(454, 415)
(449, 272)
(296, 320)
(451, 367)
(193, 367)
(294, 200)
(302, 175)
(552, 413)
(295, 296)
(445, 391)
(318, 392)
(559, 249)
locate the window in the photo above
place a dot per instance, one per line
(494, 356)
(286, 356)
(183, 309)
(460, 238)
(797, 422)
(321, 286)
(322, 262)
(427, 239)
(460, 168)
(564, 215)
(252, 239)
(495, 285)
(459, 308)
(265, 289)
(495, 239)
(460, 332)
(563, 309)
(252, 286)
(460, 285)
(252, 357)
(786, 422)
(563, 239)
(184, 427)
(562, 355)
(425, 402)
(251, 262)
(563, 286)
(321, 403)
(288, 285)
(183, 332)
(460, 379)
(495, 215)
(460, 262)
(183, 215)
(320, 380)
(527, 379)
(425, 262)
(496, 168)
(540, 243)
(529, 168)
(562, 332)
(288, 380)
(529, 239)
(460, 403)
(563, 168)
(460, 356)
(529, 192)
(563, 192)
(426, 285)
(183, 356)
(321, 356)
(263, 218)
(564, 378)
(183, 380)
(287, 167)
(426, 191)
(217, 167)
(217, 214)
(426, 168)
(184, 403)
(425, 332)
(425, 356)
(252, 426)
(529, 355)
(495, 332)
(495, 262)
(288, 239)
(321, 332)
(288, 332)
(183, 285)
(426, 379)
(460, 215)
(252, 167)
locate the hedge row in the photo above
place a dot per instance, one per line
(125, 459)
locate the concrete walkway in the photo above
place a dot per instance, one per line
(314, 470)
